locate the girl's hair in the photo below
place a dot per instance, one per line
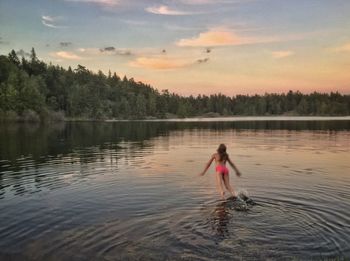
(222, 152)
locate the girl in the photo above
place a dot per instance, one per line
(221, 157)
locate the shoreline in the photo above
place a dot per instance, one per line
(239, 118)
(193, 119)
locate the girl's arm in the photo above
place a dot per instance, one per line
(238, 173)
(208, 165)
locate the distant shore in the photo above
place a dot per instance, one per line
(201, 118)
(241, 118)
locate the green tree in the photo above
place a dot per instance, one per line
(124, 107)
(14, 58)
(140, 106)
(303, 107)
(182, 110)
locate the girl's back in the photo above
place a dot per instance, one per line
(220, 159)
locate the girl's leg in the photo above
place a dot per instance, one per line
(219, 184)
(227, 184)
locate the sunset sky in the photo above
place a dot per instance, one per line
(191, 46)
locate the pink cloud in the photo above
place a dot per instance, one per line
(223, 36)
(161, 63)
(282, 54)
(343, 48)
(66, 55)
(215, 37)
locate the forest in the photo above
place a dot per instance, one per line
(32, 90)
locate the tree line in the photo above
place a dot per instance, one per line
(33, 90)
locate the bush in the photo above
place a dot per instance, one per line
(30, 116)
(57, 116)
(51, 116)
(54, 116)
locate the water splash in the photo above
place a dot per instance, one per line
(242, 202)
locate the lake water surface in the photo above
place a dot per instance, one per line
(131, 191)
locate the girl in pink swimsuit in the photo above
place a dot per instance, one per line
(222, 176)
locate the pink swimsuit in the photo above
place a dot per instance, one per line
(222, 169)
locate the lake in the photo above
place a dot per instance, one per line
(131, 190)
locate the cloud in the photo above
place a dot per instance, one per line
(48, 18)
(206, 2)
(223, 36)
(123, 52)
(66, 55)
(108, 3)
(2, 41)
(22, 53)
(50, 21)
(165, 10)
(159, 63)
(342, 48)
(113, 50)
(214, 37)
(65, 44)
(107, 49)
(203, 60)
(90, 51)
(282, 54)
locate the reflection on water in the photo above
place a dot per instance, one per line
(220, 219)
(130, 190)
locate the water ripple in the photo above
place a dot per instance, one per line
(140, 197)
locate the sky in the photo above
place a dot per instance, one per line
(191, 47)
